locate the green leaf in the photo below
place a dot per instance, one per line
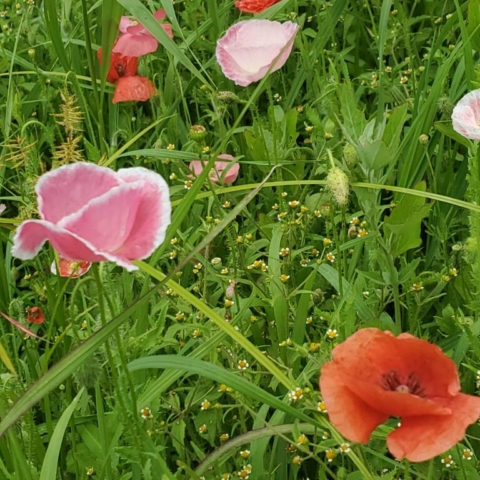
(404, 223)
(220, 375)
(51, 19)
(447, 129)
(473, 27)
(50, 462)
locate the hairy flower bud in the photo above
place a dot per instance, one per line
(338, 185)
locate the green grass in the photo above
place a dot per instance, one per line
(370, 87)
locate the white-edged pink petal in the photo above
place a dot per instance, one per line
(107, 221)
(466, 116)
(66, 190)
(251, 47)
(135, 45)
(153, 213)
(32, 234)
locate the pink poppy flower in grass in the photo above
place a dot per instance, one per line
(219, 170)
(251, 48)
(136, 40)
(93, 214)
(466, 116)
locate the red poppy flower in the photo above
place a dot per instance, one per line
(375, 375)
(35, 315)
(136, 89)
(70, 268)
(120, 65)
(254, 6)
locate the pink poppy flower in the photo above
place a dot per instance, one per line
(218, 169)
(136, 40)
(70, 268)
(252, 47)
(93, 214)
(133, 89)
(466, 116)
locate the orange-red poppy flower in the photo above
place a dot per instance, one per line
(254, 6)
(35, 315)
(375, 375)
(120, 66)
(70, 268)
(133, 89)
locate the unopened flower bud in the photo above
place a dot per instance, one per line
(198, 133)
(350, 155)
(423, 139)
(338, 185)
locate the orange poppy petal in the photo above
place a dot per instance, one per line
(394, 404)
(133, 89)
(422, 438)
(354, 419)
(371, 353)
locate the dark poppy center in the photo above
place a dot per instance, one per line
(120, 68)
(395, 382)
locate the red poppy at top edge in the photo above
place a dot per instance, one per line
(375, 375)
(254, 6)
(120, 65)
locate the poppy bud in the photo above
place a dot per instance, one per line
(350, 155)
(198, 133)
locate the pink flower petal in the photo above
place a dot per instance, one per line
(217, 171)
(65, 190)
(125, 22)
(252, 47)
(466, 116)
(153, 213)
(135, 45)
(127, 221)
(32, 234)
(107, 221)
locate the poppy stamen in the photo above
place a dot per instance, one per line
(393, 382)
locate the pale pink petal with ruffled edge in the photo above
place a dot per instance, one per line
(466, 116)
(106, 221)
(66, 190)
(135, 45)
(32, 234)
(252, 47)
(153, 213)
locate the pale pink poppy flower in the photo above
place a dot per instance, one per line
(136, 40)
(93, 214)
(217, 171)
(466, 116)
(70, 268)
(252, 47)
